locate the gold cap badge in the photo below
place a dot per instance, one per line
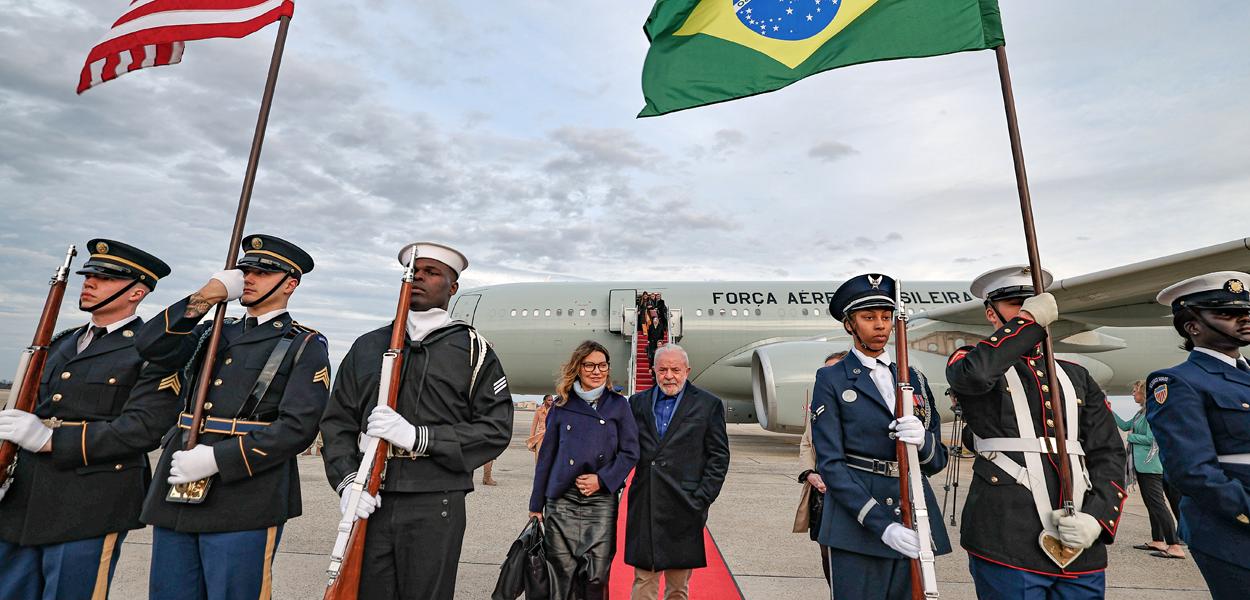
(257, 244)
(101, 248)
(1235, 286)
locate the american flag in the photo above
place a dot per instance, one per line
(152, 32)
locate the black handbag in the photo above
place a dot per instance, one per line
(525, 569)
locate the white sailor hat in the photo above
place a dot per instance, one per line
(435, 251)
(1015, 281)
(1222, 289)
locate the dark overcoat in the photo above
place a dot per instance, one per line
(93, 481)
(581, 440)
(677, 479)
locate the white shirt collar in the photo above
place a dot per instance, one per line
(269, 316)
(871, 362)
(420, 324)
(1224, 358)
(115, 325)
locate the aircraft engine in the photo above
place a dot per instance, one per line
(782, 375)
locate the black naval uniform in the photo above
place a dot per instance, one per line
(107, 409)
(454, 385)
(1000, 522)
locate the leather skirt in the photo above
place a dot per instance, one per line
(580, 540)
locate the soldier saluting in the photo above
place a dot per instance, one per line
(83, 469)
(1005, 393)
(454, 413)
(268, 387)
(1199, 412)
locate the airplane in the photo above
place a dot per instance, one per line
(757, 345)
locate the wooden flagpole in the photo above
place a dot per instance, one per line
(236, 236)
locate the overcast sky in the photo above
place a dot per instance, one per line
(508, 130)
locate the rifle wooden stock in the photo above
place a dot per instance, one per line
(345, 571)
(911, 500)
(25, 393)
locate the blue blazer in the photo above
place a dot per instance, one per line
(850, 417)
(581, 440)
(1198, 410)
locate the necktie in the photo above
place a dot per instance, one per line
(1242, 365)
(98, 332)
(249, 323)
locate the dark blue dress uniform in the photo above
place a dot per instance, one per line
(63, 519)
(1001, 524)
(857, 459)
(1199, 412)
(224, 546)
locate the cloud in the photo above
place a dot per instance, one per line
(830, 151)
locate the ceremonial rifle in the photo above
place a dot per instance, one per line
(347, 557)
(911, 498)
(25, 391)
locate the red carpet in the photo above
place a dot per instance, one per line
(713, 582)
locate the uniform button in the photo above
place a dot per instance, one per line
(208, 406)
(1048, 401)
(65, 375)
(278, 325)
(117, 467)
(444, 514)
(1032, 363)
(1040, 373)
(1243, 519)
(1020, 322)
(1007, 330)
(1050, 422)
(993, 338)
(1111, 522)
(1244, 405)
(602, 422)
(217, 383)
(1119, 494)
(653, 463)
(1045, 388)
(1080, 402)
(229, 360)
(568, 428)
(571, 461)
(56, 397)
(444, 502)
(889, 502)
(993, 478)
(1115, 508)
(112, 380)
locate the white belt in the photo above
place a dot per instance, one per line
(1046, 445)
(1234, 459)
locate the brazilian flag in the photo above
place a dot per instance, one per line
(707, 51)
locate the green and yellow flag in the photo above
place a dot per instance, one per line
(707, 51)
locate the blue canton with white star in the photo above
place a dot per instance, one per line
(786, 19)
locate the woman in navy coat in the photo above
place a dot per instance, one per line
(590, 446)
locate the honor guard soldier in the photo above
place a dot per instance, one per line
(854, 433)
(268, 387)
(83, 469)
(1199, 412)
(454, 413)
(1004, 391)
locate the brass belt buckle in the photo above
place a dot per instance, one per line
(195, 492)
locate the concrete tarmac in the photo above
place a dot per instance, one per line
(751, 522)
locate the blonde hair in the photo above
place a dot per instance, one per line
(568, 373)
(1140, 384)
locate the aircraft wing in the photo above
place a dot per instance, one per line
(1122, 296)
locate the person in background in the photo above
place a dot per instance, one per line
(656, 330)
(811, 505)
(1145, 468)
(539, 426)
(581, 467)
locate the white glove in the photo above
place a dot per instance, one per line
(902, 540)
(909, 430)
(192, 465)
(387, 424)
(1076, 531)
(365, 507)
(1042, 307)
(233, 280)
(24, 429)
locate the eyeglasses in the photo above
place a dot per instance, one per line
(590, 367)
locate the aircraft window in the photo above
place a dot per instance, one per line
(933, 347)
(746, 312)
(559, 312)
(698, 312)
(733, 312)
(960, 343)
(513, 312)
(722, 312)
(570, 312)
(758, 312)
(594, 311)
(525, 312)
(535, 312)
(805, 312)
(581, 313)
(711, 312)
(547, 313)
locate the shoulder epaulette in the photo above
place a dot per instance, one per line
(61, 334)
(298, 327)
